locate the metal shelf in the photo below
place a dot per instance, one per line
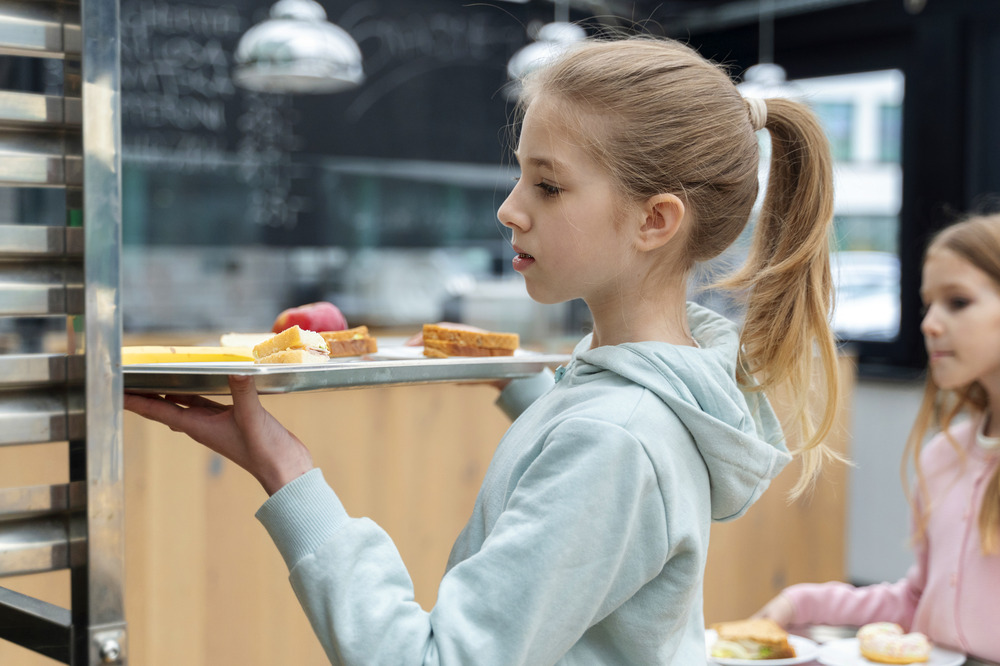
(71, 142)
(40, 158)
(40, 29)
(19, 109)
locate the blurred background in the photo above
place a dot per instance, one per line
(379, 191)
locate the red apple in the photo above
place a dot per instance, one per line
(322, 316)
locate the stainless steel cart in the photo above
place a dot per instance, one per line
(69, 141)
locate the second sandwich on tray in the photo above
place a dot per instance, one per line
(443, 341)
(350, 342)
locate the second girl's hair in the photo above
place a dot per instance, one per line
(663, 119)
(977, 241)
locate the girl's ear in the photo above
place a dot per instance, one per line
(663, 215)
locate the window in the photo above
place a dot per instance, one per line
(861, 115)
(863, 111)
(838, 121)
(890, 132)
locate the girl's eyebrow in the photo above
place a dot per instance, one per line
(542, 163)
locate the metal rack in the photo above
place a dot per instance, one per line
(70, 141)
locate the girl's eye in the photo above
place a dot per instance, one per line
(548, 190)
(957, 303)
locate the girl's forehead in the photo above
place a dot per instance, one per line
(941, 262)
(550, 127)
(944, 268)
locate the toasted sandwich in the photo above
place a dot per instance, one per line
(755, 638)
(293, 345)
(441, 342)
(350, 342)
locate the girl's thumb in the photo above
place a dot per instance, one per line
(242, 388)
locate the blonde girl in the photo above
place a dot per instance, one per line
(588, 540)
(952, 592)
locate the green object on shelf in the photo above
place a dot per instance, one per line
(74, 217)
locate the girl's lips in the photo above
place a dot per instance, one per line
(522, 261)
(938, 355)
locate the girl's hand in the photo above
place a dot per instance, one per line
(243, 432)
(779, 609)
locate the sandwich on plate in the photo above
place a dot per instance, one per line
(755, 638)
(293, 345)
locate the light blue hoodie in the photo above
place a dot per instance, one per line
(588, 539)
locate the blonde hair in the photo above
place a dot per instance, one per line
(976, 240)
(675, 122)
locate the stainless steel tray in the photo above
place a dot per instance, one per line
(211, 378)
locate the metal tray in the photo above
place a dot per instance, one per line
(211, 378)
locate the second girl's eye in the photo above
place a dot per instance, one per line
(548, 190)
(957, 303)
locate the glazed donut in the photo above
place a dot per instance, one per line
(885, 643)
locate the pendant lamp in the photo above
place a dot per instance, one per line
(296, 50)
(551, 40)
(766, 79)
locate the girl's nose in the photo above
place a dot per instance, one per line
(930, 325)
(510, 214)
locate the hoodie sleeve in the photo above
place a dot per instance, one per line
(518, 395)
(844, 604)
(581, 532)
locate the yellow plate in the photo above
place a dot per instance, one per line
(179, 354)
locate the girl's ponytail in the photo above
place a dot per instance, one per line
(787, 280)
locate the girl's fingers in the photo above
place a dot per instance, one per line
(196, 401)
(156, 409)
(244, 393)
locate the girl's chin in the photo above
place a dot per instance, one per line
(540, 296)
(947, 383)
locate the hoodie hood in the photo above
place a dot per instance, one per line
(736, 431)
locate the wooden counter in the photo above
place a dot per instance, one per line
(205, 585)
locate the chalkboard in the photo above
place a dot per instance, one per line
(432, 95)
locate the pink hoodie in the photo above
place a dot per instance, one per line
(952, 592)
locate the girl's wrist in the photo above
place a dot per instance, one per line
(284, 472)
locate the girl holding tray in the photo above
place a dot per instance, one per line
(588, 540)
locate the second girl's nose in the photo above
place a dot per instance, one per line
(930, 325)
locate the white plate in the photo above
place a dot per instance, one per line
(805, 651)
(397, 352)
(845, 652)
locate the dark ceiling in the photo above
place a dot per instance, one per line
(701, 16)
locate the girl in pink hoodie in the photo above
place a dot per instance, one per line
(952, 592)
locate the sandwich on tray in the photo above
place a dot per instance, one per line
(444, 341)
(350, 342)
(755, 638)
(293, 345)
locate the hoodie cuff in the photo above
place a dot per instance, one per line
(303, 515)
(520, 393)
